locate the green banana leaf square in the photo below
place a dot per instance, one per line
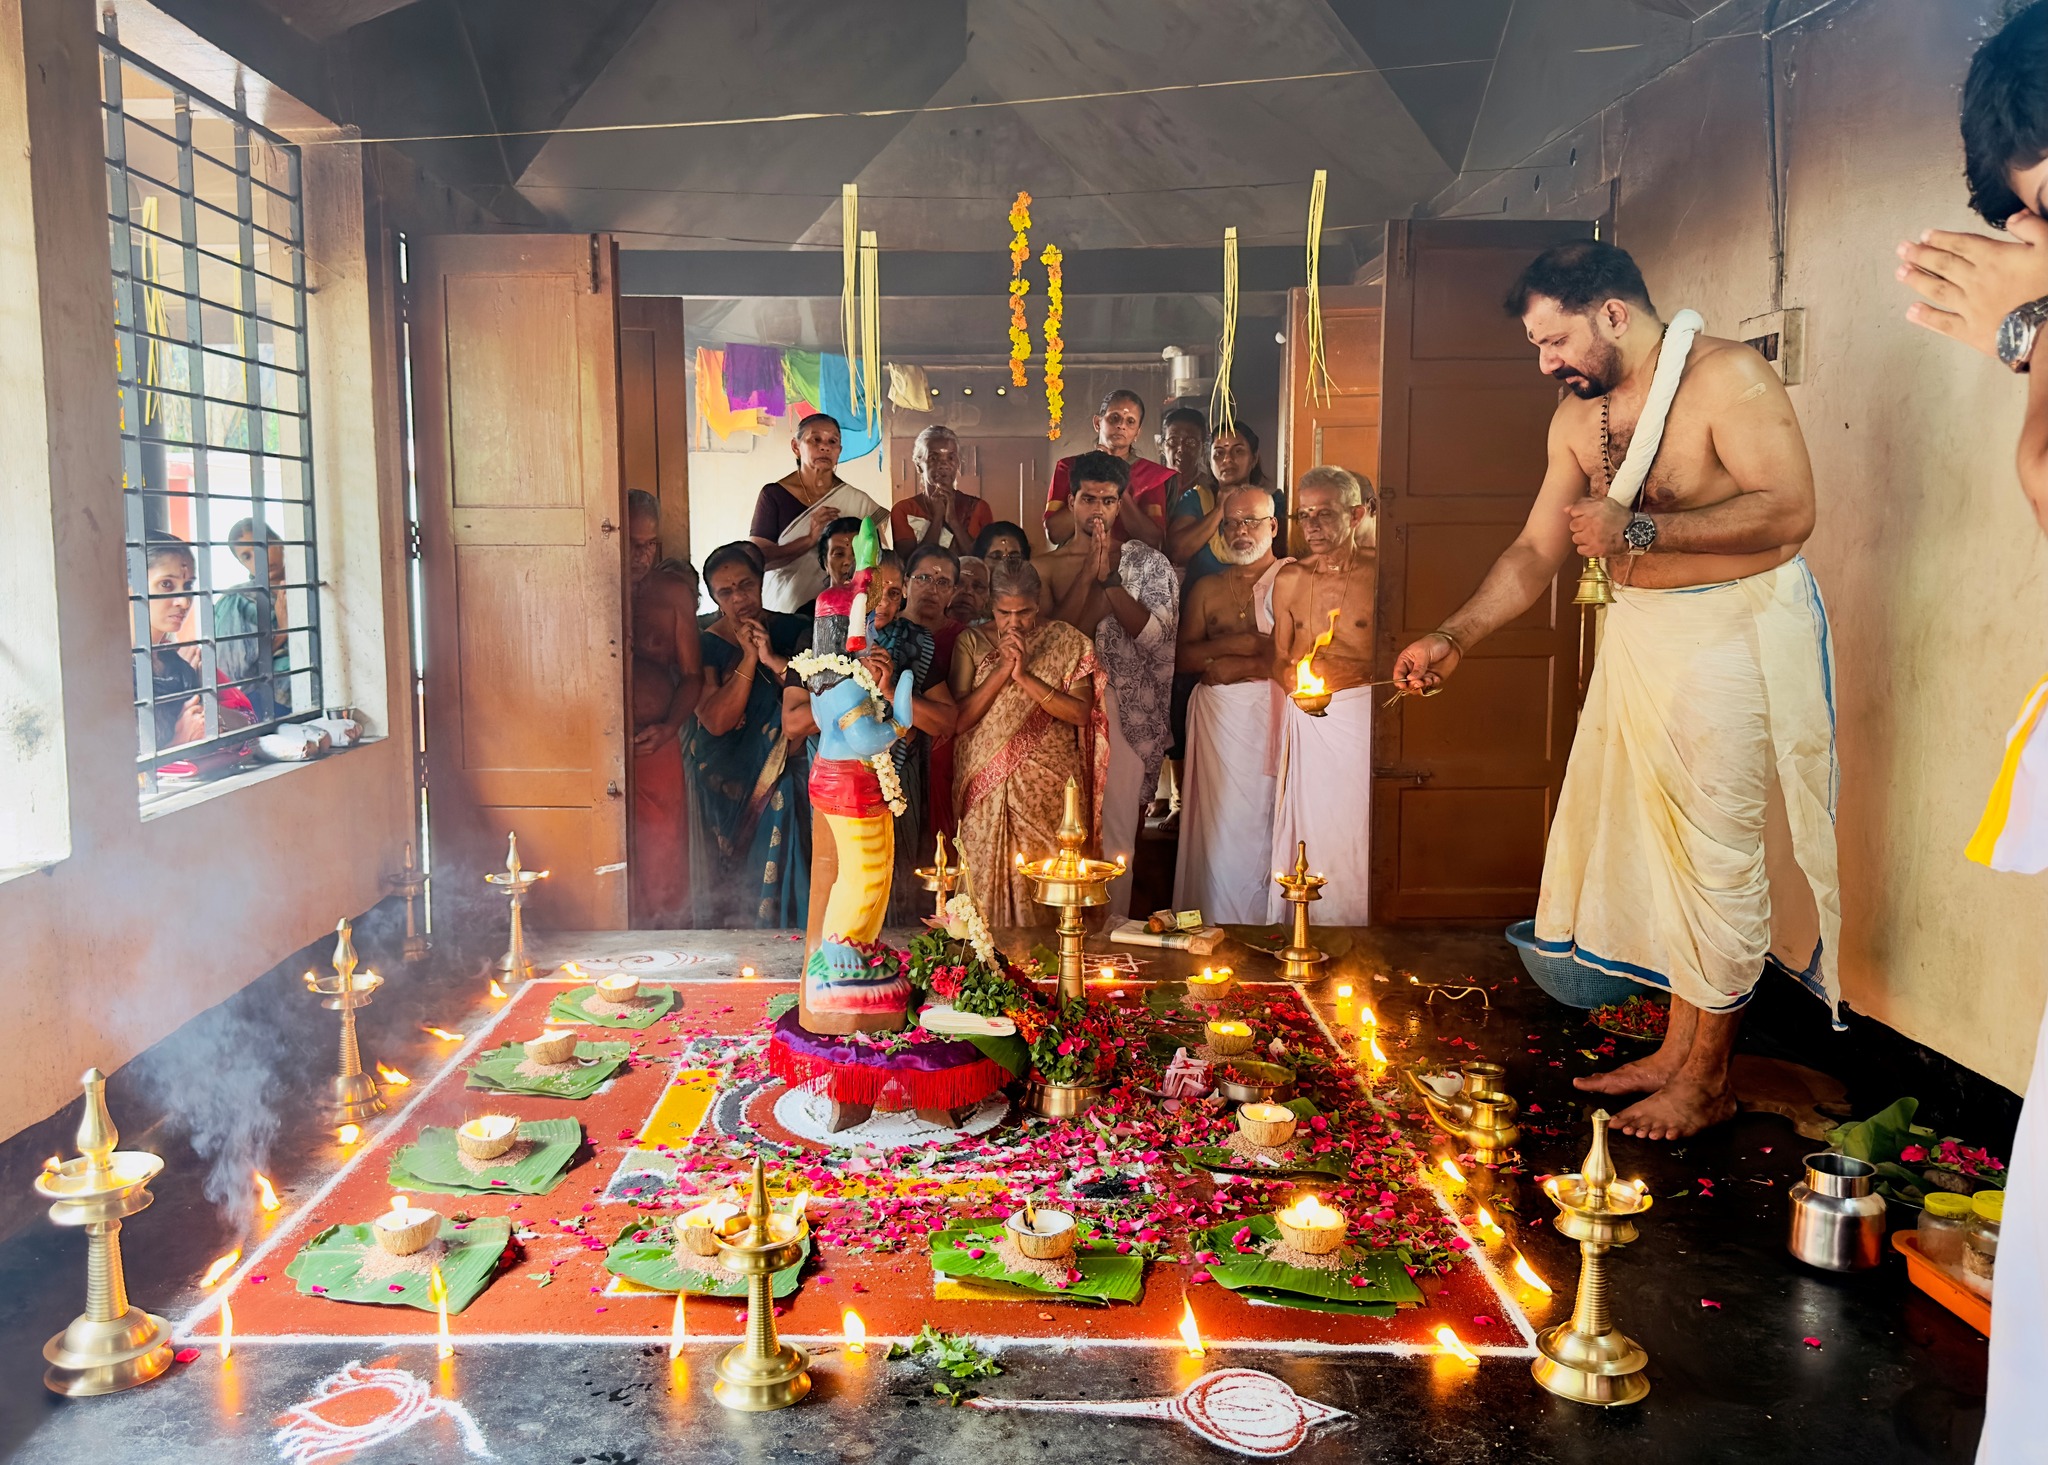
(569, 1008)
(646, 1253)
(1230, 1162)
(499, 1071)
(434, 1162)
(330, 1266)
(1388, 1285)
(1106, 1274)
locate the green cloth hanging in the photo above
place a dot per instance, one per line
(801, 371)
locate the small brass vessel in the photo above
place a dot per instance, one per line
(1587, 1359)
(1481, 1119)
(762, 1372)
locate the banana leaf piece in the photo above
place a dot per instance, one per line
(434, 1162)
(1229, 1162)
(645, 1253)
(569, 1008)
(498, 1071)
(1267, 1297)
(1106, 1274)
(330, 1266)
(1385, 1271)
(1009, 1050)
(780, 1003)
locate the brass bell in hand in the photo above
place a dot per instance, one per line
(1595, 588)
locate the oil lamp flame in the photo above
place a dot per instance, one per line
(854, 1332)
(1190, 1335)
(1310, 1214)
(797, 1209)
(496, 990)
(1306, 682)
(227, 1331)
(348, 1134)
(392, 1076)
(1379, 1054)
(1454, 1346)
(747, 972)
(438, 1290)
(222, 1265)
(1528, 1274)
(1487, 1224)
(265, 1195)
(443, 1034)
(1344, 990)
(676, 1330)
(1451, 1170)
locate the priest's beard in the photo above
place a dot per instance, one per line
(1598, 376)
(1231, 555)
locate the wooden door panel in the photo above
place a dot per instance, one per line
(1351, 348)
(517, 412)
(654, 418)
(1464, 781)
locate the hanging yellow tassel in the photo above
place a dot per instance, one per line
(849, 257)
(1320, 387)
(871, 326)
(1223, 406)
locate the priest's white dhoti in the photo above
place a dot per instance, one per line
(1695, 835)
(1226, 809)
(1323, 796)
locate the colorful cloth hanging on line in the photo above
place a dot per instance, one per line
(836, 387)
(910, 388)
(753, 378)
(800, 382)
(714, 410)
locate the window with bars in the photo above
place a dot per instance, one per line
(207, 237)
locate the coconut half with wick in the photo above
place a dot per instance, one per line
(405, 1228)
(1042, 1235)
(487, 1137)
(618, 988)
(551, 1047)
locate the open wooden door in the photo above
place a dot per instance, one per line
(1343, 430)
(654, 411)
(516, 407)
(1464, 783)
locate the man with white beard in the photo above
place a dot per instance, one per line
(1226, 638)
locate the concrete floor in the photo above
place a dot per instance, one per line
(1895, 1377)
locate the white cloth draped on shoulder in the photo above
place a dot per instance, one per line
(1323, 796)
(1695, 834)
(791, 587)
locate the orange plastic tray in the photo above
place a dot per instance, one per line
(1941, 1285)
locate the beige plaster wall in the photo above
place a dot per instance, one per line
(1935, 575)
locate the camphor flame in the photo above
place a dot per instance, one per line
(1306, 682)
(392, 1076)
(1451, 1170)
(1488, 1225)
(1528, 1274)
(443, 1034)
(1379, 1054)
(854, 1332)
(1190, 1335)
(677, 1332)
(496, 990)
(1454, 1346)
(438, 1290)
(227, 1331)
(348, 1134)
(265, 1196)
(222, 1265)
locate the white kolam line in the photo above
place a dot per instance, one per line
(993, 1344)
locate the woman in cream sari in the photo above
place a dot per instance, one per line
(1031, 717)
(794, 513)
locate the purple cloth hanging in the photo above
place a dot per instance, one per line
(753, 378)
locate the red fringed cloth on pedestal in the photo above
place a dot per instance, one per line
(934, 1073)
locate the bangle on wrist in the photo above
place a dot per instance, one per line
(1456, 645)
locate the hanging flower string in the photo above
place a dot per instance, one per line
(1055, 343)
(1020, 251)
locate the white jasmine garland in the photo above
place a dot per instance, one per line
(961, 911)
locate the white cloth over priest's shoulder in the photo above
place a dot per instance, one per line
(791, 587)
(1324, 797)
(1227, 785)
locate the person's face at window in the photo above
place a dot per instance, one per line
(931, 590)
(645, 545)
(1004, 549)
(817, 447)
(1231, 459)
(1094, 506)
(171, 578)
(1016, 613)
(885, 595)
(736, 591)
(1117, 429)
(839, 559)
(938, 464)
(971, 596)
(244, 549)
(1326, 523)
(1182, 445)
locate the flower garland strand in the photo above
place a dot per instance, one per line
(807, 664)
(1020, 251)
(1055, 343)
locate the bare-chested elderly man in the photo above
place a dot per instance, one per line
(1695, 837)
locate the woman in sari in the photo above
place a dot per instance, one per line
(1031, 717)
(751, 830)
(791, 516)
(912, 648)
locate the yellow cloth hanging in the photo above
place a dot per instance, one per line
(714, 412)
(910, 388)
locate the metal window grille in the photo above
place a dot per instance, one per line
(206, 231)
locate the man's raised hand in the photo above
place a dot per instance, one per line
(1971, 283)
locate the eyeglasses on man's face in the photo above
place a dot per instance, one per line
(1249, 523)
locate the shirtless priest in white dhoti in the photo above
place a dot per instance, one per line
(1224, 868)
(1694, 840)
(1323, 603)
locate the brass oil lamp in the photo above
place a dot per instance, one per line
(941, 878)
(1298, 959)
(1587, 1359)
(761, 1372)
(410, 882)
(1072, 882)
(355, 1092)
(515, 965)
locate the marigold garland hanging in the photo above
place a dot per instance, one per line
(1055, 343)
(1020, 251)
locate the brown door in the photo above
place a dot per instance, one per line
(1465, 782)
(1340, 424)
(1010, 473)
(654, 420)
(516, 383)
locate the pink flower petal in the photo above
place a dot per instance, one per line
(1811, 1342)
(1709, 1302)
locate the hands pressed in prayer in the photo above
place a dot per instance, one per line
(1102, 555)
(881, 666)
(1971, 283)
(1596, 524)
(1012, 648)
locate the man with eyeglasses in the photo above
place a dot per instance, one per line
(1322, 609)
(1226, 645)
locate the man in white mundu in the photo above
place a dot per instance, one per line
(1694, 839)
(1226, 638)
(1322, 607)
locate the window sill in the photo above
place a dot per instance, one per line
(186, 798)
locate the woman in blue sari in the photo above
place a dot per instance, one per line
(751, 821)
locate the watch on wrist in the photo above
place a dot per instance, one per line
(2019, 331)
(1640, 533)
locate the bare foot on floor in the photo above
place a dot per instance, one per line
(1644, 1076)
(1681, 1108)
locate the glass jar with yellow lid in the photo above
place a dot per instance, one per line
(1980, 1242)
(1944, 1217)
